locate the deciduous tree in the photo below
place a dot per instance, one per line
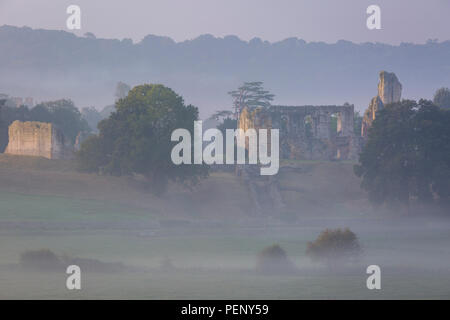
(407, 155)
(136, 138)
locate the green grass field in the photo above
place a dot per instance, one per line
(219, 286)
(54, 209)
(48, 205)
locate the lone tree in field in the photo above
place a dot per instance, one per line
(136, 138)
(274, 259)
(334, 247)
(251, 95)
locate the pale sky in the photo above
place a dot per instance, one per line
(273, 20)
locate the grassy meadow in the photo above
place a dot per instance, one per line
(209, 236)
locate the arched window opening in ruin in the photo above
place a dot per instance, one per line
(309, 126)
(335, 124)
(284, 123)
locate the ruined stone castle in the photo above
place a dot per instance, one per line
(306, 132)
(32, 138)
(321, 132)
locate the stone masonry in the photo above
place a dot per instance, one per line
(306, 131)
(389, 91)
(32, 138)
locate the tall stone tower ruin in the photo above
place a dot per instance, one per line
(389, 91)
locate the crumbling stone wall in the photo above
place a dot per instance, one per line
(255, 119)
(32, 138)
(306, 131)
(389, 88)
(389, 91)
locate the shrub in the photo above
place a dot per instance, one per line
(42, 259)
(47, 260)
(274, 259)
(94, 265)
(334, 247)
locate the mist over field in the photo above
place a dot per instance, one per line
(205, 243)
(88, 176)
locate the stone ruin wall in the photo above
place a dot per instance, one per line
(32, 138)
(389, 91)
(389, 88)
(296, 142)
(255, 119)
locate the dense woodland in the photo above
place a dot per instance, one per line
(53, 64)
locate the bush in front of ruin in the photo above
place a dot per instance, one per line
(335, 247)
(274, 259)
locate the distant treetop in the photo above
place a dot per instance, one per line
(442, 98)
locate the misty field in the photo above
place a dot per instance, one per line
(220, 264)
(204, 244)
